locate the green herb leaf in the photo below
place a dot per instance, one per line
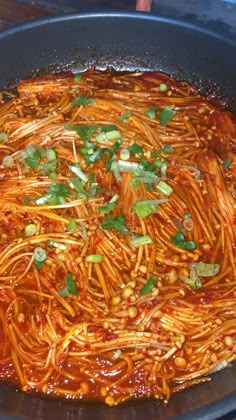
(146, 207)
(115, 223)
(166, 115)
(136, 150)
(72, 226)
(147, 288)
(83, 100)
(151, 112)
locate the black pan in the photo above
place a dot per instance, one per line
(124, 42)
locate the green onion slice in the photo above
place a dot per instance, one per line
(162, 87)
(166, 115)
(94, 258)
(31, 229)
(78, 78)
(141, 240)
(72, 226)
(147, 288)
(76, 169)
(191, 168)
(151, 112)
(146, 207)
(164, 188)
(136, 150)
(227, 162)
(40, 256)
(70, 287)
(58, 245)
(206, 269)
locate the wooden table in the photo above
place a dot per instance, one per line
(16, 11)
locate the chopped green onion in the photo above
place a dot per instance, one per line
(51, 154)
(78, 78)
(31, 229)
(32, 155)
(146, 207)
(151, 112)
(124, 154)
(167, 149)
(3, 137)
(227, 162)
(83, 100)
(85, 132)
(194, 283)
(70, 287)
(206, 269)
(141, 240)
(158, 163)
(187, 215)
(115, 223)
(58, 245)
(55, 194)
(78, 185)
(166, 115)
(76, 169)
(155, 153)
(179, 241)
(94, 258)
(107, 208)
(125, 116)
(164, 188)
(136, 150)
(131, 167)
(191, 168)
(163, 87)
(147, 288)
(115, 169)
(163, 170)
(109, 135)
(40, 256)
(108, 128)
(72, 226)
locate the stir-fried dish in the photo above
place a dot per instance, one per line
(117, 236)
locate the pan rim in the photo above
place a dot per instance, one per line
(35, 23)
